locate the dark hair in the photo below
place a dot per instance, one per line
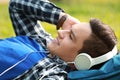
(101, 41)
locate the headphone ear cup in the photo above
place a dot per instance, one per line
(83, 61)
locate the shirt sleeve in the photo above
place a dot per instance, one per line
(37, 9)
(25, 14)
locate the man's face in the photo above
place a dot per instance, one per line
(69, 42)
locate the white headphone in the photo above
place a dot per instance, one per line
(84, 61)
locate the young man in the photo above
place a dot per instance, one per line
(77, 38)
(24, 51)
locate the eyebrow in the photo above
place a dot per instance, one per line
(73, 34)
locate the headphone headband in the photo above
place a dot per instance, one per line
(105, 57)
(84, 61)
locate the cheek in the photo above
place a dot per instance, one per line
(67, 54)
(66, 49)
(62, 50)
(68, 46)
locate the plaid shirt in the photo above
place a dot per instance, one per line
(46, 69)
(25, 15)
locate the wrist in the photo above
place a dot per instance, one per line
(61, 14)
(61, 20)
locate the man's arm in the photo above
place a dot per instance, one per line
(25, 13)
(36, 10)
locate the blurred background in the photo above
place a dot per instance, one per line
(106, 10)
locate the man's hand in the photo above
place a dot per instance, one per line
(69, 22)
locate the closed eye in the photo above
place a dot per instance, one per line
(70, 36)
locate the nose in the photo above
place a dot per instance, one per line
(63, 33)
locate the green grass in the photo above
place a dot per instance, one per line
(6, 29)
(106, 10)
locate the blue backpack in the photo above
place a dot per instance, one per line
(109, 71)
(18, 54)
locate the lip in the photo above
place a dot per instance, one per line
(56, 40)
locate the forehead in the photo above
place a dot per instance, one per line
(82, 28)
(82, 31)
